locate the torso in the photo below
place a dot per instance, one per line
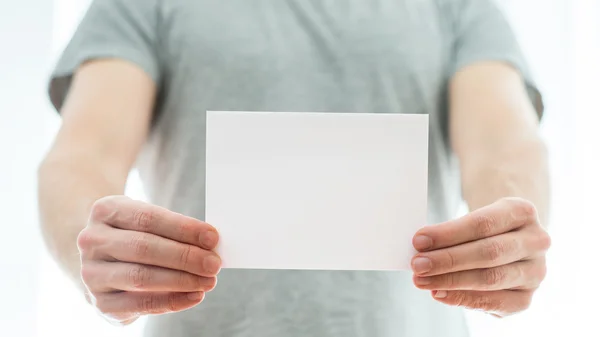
(381, 56)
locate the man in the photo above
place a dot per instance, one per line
(133, 87)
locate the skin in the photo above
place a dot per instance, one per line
(491, 259)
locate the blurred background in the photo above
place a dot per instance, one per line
(561, 39)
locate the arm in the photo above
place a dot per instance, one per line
(105, 120)
(494, 132)
(128, 257)
(492, 259)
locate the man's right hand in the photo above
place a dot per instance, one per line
(139, 259)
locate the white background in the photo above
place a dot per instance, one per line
(562, 41)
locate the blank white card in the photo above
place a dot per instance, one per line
(330, 191)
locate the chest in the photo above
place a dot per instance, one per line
(408, 35)
(303, 55)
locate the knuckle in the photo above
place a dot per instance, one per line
(461, 299)
(186, 229)
(493, 250)
(172, 302)
(448, 261)
(183, 280)
(484, 226)
(493, 276)
(104, 209)
(452, 280)
(522, 208)
(149, 303)
(185, 256)
(139, 246)
(143, 219)
(188, 282)
(528, 210)
(85, 240)
(484, 302)
(544, 241)
(138, 277)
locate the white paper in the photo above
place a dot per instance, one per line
(334, 191)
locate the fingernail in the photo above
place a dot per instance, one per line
(422, 242)
(422, 281)
(440, 294)
(195, 296)
(212, 264)
(209, 238)
(422, 265)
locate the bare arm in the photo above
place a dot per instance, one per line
(105, 121)
(494, 132)
(492, 259)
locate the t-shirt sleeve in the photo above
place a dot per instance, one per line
(483, 33)
(123, 29)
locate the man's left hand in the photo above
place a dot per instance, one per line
(492, 259)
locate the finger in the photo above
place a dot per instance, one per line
(487, 253)
(149, 249)
(125, 213)
(111, 276)
(522, 275)
(501, 303)
(123, 304)
(500, 217)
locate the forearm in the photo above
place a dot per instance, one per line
(68, 185)
(518, 169)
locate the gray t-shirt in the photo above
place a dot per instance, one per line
(383, 56)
